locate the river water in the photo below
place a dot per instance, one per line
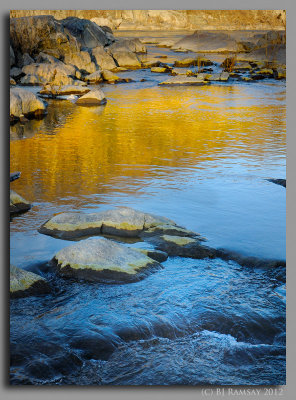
(197, 155)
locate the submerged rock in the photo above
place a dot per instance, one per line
(93, 98)
(100, 259)
(24, 283)
(184, 80)
(24, 102)
(121, 221)
(17, 203)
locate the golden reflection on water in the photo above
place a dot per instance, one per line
(140, 135)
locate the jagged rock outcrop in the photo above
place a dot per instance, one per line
(88, 33)
(173, 19)
(37, 34)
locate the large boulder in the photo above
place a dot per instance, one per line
(184, 80)
(135, 45)
(24, 102)
(100, 259)
(24, 283)
(93, 98)
(124, 56)
(56, 73)
(87, 32)
(121, 221)
(207, 42)
(103, 59)
(82, 61)
(36, 34)
(17, 203)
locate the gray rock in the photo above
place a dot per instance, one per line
(17, 203)
(95, 77)
(88, 33)
(103, 59)
(53, 90)
(82, 61)
(207, 42)
(24, 283)
(12, 57)
(100, 259)
(182, 246)
(190, 62)
(26, 59)
(121, 221)
(16, 72)
(124, 56)
(56, 73)
(93, 98)
(184, 80)
(36, 34)
(24, 102)
(156, 255)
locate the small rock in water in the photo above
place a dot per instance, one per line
(100, 259)
(17, 203)
(93, 98)
(182, 246)
(24, 283)
(184, 80)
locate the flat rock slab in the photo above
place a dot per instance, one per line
(183, 80)
(17, 203)
(80, 89)
(102, 260)
(182, 246)
(24, 283)
(120, 221)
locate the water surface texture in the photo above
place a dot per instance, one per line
(197, 155)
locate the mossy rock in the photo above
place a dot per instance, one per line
(120, 221)
(24, 283)
(18, 204)
(182, 246)
(103, 260)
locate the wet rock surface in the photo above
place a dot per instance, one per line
(24, 283)
(121, 221)
(103, 260)
(18, 204)
(92, 98)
